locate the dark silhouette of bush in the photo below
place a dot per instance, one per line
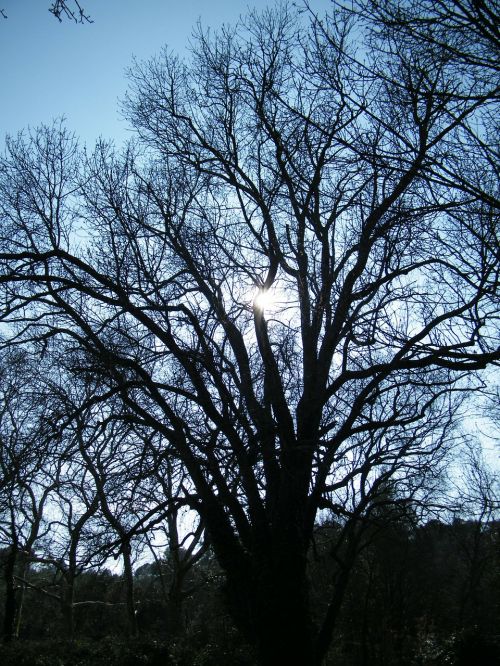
(473, 647)
(108, 652)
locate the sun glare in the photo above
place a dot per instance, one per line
(264, 299)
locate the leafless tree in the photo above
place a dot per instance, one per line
(26, 455)
(464, 32)
(292, 278)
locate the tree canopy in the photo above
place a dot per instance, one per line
(289, 278)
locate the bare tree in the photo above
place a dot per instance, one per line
(119, 460)
(26, 456)
(464, 32)
(481, 506)
(180, 538)
(292, 279)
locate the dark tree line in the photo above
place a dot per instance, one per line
(408, 602)
(277, 301)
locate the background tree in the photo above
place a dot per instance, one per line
(360, 196)
(28, 474)
(462, 31)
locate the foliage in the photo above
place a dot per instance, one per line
(111, 652)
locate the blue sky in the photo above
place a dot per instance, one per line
(50, 69)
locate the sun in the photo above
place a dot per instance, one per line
(264, 299)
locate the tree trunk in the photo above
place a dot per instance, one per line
(326, 632)
(271, 607)
(20, 596)
(67, 599)
(284, 624)
(10, 596)
(129, 591)
(175, 601)
(175, 619)
(175, 597)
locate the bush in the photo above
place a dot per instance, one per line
(85, 653)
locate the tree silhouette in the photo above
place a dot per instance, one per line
(26, 452)
(357, 193)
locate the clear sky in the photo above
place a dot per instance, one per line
(50, 69)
